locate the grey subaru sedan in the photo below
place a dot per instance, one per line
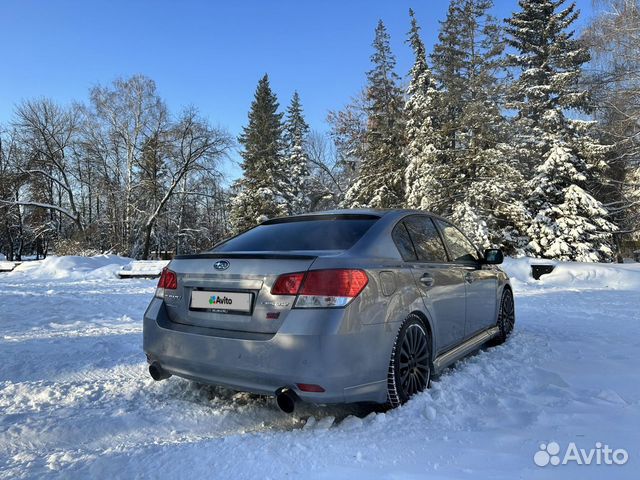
(329, 307)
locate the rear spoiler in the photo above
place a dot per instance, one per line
(247, 255)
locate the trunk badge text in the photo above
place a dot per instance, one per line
(221, 265)
(276, 304)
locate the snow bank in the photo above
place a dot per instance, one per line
(574, 275)
(73, 268)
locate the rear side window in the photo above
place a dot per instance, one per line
(426, 239)
(403, 242)
(462, 250)
(300, 234)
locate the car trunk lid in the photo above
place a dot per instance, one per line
(231, 291)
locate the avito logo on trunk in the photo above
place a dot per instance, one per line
(216, 299)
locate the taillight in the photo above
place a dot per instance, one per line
(287, 284)
(168, 281)
(322, 288)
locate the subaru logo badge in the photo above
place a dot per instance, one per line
(221, 265)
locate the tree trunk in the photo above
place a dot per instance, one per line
(147, 240)
(181, 217)
(20, 248)
(617, 242)
(11, 255)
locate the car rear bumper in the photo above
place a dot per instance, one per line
(350, 366)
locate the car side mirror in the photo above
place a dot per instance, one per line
(493, 256)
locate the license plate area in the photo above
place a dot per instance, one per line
(222, 301)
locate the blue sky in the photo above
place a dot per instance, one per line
(208, 54)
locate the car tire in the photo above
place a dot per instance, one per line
(506, 318)
(410, 366)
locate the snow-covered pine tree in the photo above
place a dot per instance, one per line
(480, 185)
(449, 62)
(548, 64)
(569, 223)
(558, 153)
(495, 184)
(422, 150)
(296, 159)
(260, 193)
(380, 179)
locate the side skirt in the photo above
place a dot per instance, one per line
(444, 360)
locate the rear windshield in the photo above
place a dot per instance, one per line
(330, 233)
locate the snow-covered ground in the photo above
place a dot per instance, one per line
(76, 400)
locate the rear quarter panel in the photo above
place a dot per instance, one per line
(503, 282)
(389, 297)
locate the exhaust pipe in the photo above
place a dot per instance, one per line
(286, 400)
(157, 372)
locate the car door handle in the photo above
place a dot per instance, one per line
(469, 277)
(427, 280)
